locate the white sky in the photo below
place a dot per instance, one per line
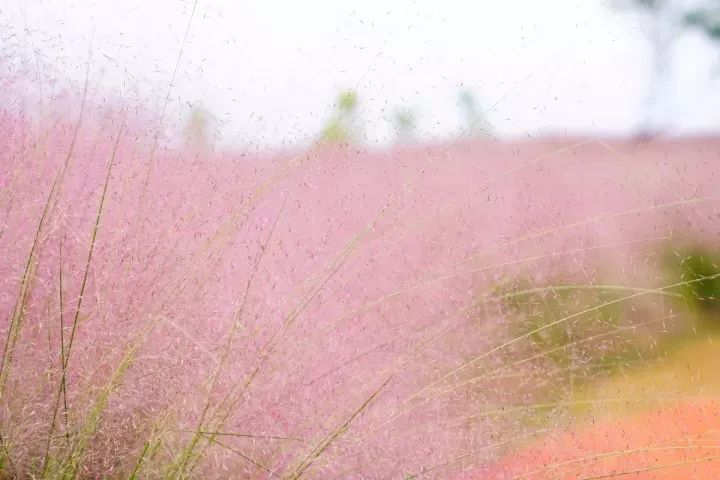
(269, 70)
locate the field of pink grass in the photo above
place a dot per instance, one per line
(175, 311)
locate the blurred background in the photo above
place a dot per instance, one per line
(269, 74)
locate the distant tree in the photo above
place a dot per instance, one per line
(475, 124)
(198, 127)
(665, 20)
(707, 19)
(404, 123)
(662, 25)
(341, 128)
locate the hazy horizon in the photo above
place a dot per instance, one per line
(269, 73)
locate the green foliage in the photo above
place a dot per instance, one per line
(347, 101)
(198, 126)
(3, 465)
(538, 311)
(404, 123)
(555, 319)
(700, 268)
(340, 128)
(589, 330)
(335, 132)
(707, 20)
(475, 123)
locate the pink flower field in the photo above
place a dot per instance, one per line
(171, 310)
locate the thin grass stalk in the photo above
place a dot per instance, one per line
(28, 274)
(527, 335)
(62, 389)
(198, 435)
(305, 463)
(75, 457)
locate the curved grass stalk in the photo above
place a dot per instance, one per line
(187, 454)
(490, 374)
(18, 314)
(306, 462)
(244, 456)
(533, 236)
(69, 468)
(532, 332)
(231, 399)
(502, 443)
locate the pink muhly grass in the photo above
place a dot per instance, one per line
(334, 313)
